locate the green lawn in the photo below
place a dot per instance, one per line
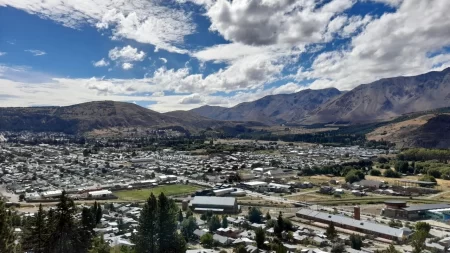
(168, 190)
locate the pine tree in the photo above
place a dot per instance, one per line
(260, 237)
(167, 223)
(98, 214)
(331, 232)
(36, 234)
(214, 223)
(180, 216)
(65, 236)
(224, 221)
(6, 231)
(146, 237)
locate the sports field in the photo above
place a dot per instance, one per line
(168, 190)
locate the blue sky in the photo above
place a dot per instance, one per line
(180, 54)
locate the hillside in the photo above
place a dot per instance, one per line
(386, 99)
(273, 109)
(427, 131)
(86, 117)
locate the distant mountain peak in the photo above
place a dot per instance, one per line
(272, 109)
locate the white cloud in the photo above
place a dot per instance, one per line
(163, 59)
(146, 21)
(126, 54)
(158, 94)
(2, 53)
(192, 99)
(396, 44)
(288, 88)
(101, 63)
(262, 22)
(36, 52)
(127, 65)
(394, 3)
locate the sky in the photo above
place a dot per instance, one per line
(181, 54)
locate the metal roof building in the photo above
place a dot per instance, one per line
(215, 204)
(362, 226)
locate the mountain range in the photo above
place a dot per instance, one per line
(377, 101)
(90, 116)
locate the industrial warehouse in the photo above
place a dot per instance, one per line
(355, 224)
(399, 210)
(215, 204)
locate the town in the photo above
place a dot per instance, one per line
(282, 197)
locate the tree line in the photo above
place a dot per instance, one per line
(67, 229)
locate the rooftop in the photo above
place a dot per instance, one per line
(215, 201)
(426, 207)
(360, 224)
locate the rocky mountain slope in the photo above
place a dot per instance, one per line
(426, 131)
(273, 109)
(386, 99)
(96, 115)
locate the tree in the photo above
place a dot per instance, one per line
(214, 223)
(189, 213)
(279, 226)
(207, 240)
(240, 249)
(224, 221)
(188, 226)
(179, 244)
(402, 167)
(382, 159)
(428, 178)
(100, 246)
(98, 214)
(180, 216)
(418, 241)
(203, 217)
(152, 175)
(338, 248)
(375, 172)
(290, 236)
(287, 225)
(354, 176)
(260, 237)
(391, 249)
(356, 241)
(6, 231)
(65, 234)
(423, 226)
(147, 231)
(268, 217)
(254, 215)
(391, 173)
(167, 224)
(331, 232)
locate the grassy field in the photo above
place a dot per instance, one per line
(168, 190)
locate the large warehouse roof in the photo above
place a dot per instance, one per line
(426, 207)
(360, 224)
(213, 201)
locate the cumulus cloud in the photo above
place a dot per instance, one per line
(36, 52)
(127, 65)
(163, 59)
(146, 21)
(261, 22)
(191, 99)
(101, 63)
(126, 54)
(158, 94)
(407, 42)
